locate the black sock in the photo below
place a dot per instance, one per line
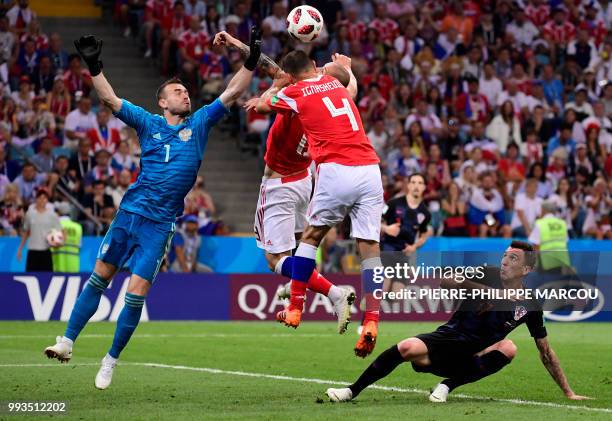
(481, 367)
(382, 366)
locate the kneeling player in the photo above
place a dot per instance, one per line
(472, 344)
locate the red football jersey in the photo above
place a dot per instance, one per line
(286, 145)
(330, 120)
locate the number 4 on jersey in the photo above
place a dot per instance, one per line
(345, 110)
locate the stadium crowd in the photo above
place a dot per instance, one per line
(500, 104)
(56, 140)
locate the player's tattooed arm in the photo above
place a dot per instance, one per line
(265, 63)
(551, 362)
(241, 80)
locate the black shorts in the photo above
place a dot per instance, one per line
(449, 352)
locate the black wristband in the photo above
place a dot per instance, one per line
(251, 62)
(95, 68)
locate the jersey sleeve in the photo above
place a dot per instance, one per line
(283, 101)
(535, 324)
(134, 116)
(425, 224)
(209, 115)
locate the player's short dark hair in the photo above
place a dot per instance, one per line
(416, 174)
(171, 81)
(528, 250)
(296, 62)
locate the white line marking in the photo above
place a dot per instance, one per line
(329, 382)
(180, 335)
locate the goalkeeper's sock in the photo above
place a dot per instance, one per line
(382, 366)
(126, 323)
(85, 306)
(479, 367)
(303, 266)
(316, 283)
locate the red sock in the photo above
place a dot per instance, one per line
(318, 283)
(298, 293)
(372, 311)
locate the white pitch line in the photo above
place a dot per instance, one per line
(332, 382)
(179, 335)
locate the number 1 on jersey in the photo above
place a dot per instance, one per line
(345, 110)
(167, 153)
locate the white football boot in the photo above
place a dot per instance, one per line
(439, 394)
(339, 395)
(342, 308)
(62, 350)
(105, 374)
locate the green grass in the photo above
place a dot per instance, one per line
(313, 351)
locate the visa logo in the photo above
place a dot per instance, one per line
(43, 306)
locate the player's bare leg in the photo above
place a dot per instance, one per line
(137, 290)
(84, 308)
(485, 363)
(411, 349)
(303, 266)
(369, 251)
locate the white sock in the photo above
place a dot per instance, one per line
(278, 269)
(67, 341)
(109, 358)
(335, 293)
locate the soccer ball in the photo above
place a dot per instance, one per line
(304, 23)
(55, 238)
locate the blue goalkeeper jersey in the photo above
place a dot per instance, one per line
(170, 159)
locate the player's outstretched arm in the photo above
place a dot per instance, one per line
(551, 362)
(90, 48)
(242, 78)
(265, 63)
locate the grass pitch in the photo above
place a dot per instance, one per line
(248, 370)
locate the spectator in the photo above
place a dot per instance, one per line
(8, 168)
(598, 204)
(38, 223)
(378, 137)
(44, 159)
(581, 106)
(155, 12)
(472, 106)
(82, 162)
(63, 177)
(271, 46)
(563, 140)
(123, 183)
(430, 123)
(78, 122)
(101, 135)
(59, 57)
(77, 78)
(486, 210)
(277, 20)
(123, 159)
(28, 182)
(567, 209)
(11, 211)
(505, 127)
(527, 208)
(510, 167)
(7, 44)
(43, 77)
(545, 186)
(20, 16)
(454, 209)
(522, 30)
(102, 171)
(386, 28)
(97, 205)
(185, 247)
(58, 101)
(173, 26)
